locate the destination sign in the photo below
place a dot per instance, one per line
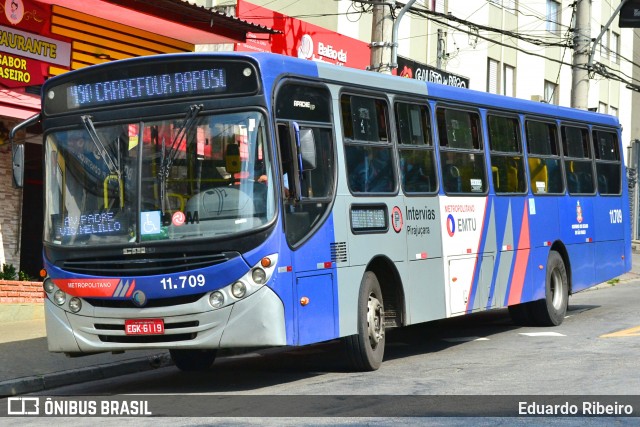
(88, 224)
(139, 81)
(145, 87)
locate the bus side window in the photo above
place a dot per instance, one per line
(284, 142)
(507, 164)
(578, 165)
(417, 157)
(545, 166)
(608, 165)
(461, 154)
(368, 150)
(307, 189)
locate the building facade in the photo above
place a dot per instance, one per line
(515, 48)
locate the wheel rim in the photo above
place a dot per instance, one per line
(375, 320)
(557, 289)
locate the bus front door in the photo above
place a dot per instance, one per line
(307, 159)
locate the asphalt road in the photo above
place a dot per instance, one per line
(591, 357)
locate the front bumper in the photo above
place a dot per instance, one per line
(256, 321)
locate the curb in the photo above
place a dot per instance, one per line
(75, 376)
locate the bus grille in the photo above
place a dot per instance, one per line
(128, 303)
(144, 264)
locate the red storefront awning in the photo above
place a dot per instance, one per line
(18, 104)
(171, 18)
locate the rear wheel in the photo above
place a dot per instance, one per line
(193, 360)
(366, 349)
(551, 310)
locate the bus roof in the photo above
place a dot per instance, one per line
(434, 90)
(493, 101)
(274, 65)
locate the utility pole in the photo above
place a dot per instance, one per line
(441, 50)
(381, 36)
(581, 55)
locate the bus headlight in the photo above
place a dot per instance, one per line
(216, 299)
(49, 286)
(238, 289)
(75, 304)
(259, 276)
(249, 283)
(59, 297)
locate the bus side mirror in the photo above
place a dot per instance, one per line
(17, 150)
(307, 148)
(18, 165)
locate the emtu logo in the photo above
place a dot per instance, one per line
(305, 50)
(451, 225)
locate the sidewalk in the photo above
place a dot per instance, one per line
(27, 366)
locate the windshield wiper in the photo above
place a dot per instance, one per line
(95, 138)
(187, 124)
(168, 156)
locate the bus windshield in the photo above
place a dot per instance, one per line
(196, 176)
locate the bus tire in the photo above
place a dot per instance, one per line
(193, 360)
(366, 349)
(551, 310)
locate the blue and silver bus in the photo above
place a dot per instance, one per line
(198, 202)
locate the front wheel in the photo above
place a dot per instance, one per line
(193, 360)
(366, 349)
(551, 310)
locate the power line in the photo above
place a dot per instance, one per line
(429, 14)
(598, 68)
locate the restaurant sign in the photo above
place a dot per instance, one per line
(25, 50)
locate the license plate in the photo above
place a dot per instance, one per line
(144, 327)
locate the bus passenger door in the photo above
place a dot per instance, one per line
(308, 177)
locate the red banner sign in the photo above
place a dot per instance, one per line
(18, 72)
(301, 39)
